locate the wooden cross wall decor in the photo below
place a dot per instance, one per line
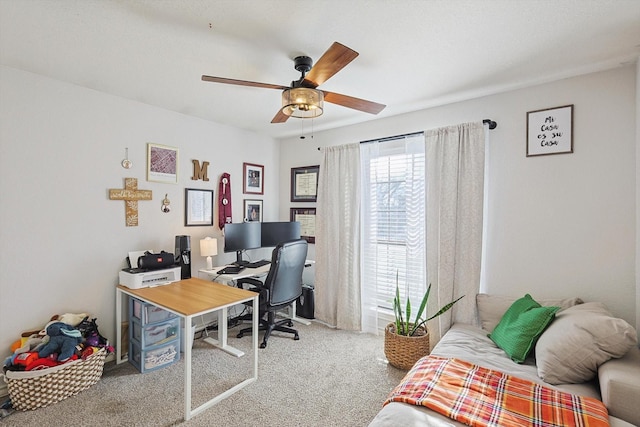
(130, 194)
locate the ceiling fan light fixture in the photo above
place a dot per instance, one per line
(302, 102)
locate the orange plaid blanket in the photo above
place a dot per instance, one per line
(478, 396)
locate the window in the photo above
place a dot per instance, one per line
(393, 219)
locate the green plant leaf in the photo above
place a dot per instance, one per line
(445, 308)
(397, 308)
(423, 306)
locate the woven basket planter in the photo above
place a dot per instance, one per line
(403, 351)
(36, 389)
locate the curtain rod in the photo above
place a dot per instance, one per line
(492, 125)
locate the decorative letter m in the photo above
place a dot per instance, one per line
(200, 172)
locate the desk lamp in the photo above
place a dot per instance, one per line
(209, 248)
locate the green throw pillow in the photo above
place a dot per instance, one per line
(521, 326)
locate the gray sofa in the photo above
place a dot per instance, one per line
(584, 351)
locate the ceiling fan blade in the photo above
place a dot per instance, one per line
(355, 103)
(280, 117)
(242, 82)
(332, 61)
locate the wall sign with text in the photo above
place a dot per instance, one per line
(550, 131)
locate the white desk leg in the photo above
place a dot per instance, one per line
(187, 392)
(221, 342)
(119, 326)
(295, 318)
(254, 334)
(188, 328)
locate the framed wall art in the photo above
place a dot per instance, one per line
(307, 219)
(550, 131)
(198, 207)
(304, 183)
(162, 163)
(252, 210)
(253, 178)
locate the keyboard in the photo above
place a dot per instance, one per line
(230, 270)
(258, 264)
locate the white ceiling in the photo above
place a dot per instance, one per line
(413, 54)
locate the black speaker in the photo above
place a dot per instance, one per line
(183, 256)
(305, 303)
(151, 261)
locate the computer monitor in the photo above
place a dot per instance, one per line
(241, 236)
(278, 232)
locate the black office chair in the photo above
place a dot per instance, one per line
(280, 289)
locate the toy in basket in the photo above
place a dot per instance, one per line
(36, 389)
(52, 365)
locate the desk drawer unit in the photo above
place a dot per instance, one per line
(155, 333)
(156, 357)
(146, 313)
(154, 336)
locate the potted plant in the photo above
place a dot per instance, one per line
(406, 340)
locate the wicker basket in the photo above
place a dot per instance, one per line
(403, 351)
(39, 388)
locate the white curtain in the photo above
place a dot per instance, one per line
(455, 183)
(337, 288)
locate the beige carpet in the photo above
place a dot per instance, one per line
(327, 378)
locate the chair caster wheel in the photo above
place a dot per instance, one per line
(290, 324)
(296, 337)
(263, 345)
(240, 335)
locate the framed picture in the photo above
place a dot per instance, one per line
(550, 131)
(307, 219)
(198, 207)
(252, 210)
(253, 178)
(162, 164)
(304, 183)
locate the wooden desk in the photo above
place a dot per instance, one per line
(189, 298)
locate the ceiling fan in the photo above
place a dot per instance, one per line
(302, 99)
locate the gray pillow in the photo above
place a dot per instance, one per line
(579, 340)
(491, 308)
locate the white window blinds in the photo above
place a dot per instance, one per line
(393, 224)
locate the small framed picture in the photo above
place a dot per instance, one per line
(162, 164)
(253, 178)
(307, 219)
(550, 131)
(198, 207)
(304, 183)
(252, 210)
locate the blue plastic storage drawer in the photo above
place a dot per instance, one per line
(148, 313)
(154, 358)
(155, 333)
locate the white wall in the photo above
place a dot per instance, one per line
(561, 225)
(62, 241)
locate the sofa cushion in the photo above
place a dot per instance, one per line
(620, 387)
(579, 340)
(491, 308)
(521, 326)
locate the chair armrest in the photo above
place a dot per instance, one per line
(619, 386)
(255, 285)
(249, 281)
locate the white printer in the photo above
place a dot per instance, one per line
(132, 278)
(136, 278)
